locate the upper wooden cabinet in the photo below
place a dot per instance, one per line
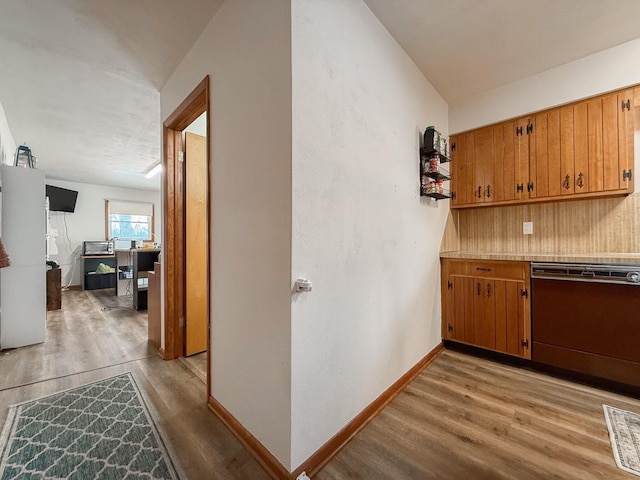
(574, 151)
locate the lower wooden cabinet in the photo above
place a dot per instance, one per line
(486, 304)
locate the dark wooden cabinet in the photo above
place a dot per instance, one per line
(486, 304)
(54, 289)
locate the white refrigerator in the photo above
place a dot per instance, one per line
(23, 296)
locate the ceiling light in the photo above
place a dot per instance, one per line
(153, 170)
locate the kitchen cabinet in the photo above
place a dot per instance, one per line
(483, 165)
(486, 304)
(575, 151)
(462, 168)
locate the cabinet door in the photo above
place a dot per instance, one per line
(511, 319)
(483, 165)
(595, 144)
(496, 189)
(581, 148)
(508, 161)
(553, 140)
(458, 170)
(626, 127)
(459, 309)
(462, 169)
(521, 164)
(567, 155)
(545, 157)
(486, 319)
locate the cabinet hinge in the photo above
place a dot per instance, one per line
(525, 343)
(626, 175)
(524, 293)
(181, 156)
(453, 195)
(626, 105)
(529, 128)
(518, 131)
(530, 187)
(181, 322)
(449, 285)
(453, 147)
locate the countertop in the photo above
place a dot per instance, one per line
(607, 258)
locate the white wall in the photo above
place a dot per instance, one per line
(361, 232)
(608, 70)
(246, 50)
(7, 144)
(88, 222)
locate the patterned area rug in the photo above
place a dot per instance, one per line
(103, 430)
(624, 432)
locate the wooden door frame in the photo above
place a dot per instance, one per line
(173, 225)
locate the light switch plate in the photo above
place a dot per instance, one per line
(527, 228)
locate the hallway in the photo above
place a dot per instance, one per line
(97, 335)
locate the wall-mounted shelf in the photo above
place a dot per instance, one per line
(439, 174)
(444, 194)
(433, 154)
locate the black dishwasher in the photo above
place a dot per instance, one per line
(586, 319)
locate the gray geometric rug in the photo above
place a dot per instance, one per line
(103, 430)
(624, 433)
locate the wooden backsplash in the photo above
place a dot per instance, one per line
(578, 226)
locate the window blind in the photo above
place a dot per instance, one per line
(123, 207)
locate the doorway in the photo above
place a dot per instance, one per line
(186, 212)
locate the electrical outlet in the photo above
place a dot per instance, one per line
(527, 228)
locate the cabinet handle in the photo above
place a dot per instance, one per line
(488, 290)
(488, 191)
(483, 269)
(580, 180)
(566, 182)
(520, 188)
(478, 287)
(530, 187)
(479, 194)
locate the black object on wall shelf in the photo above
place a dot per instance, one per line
(433, 154)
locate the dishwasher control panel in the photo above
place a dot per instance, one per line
(587, 272)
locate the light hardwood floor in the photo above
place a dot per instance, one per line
(461, 418)
(97, 335)
(469, 418)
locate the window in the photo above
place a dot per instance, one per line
(129, 220)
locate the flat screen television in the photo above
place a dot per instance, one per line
(61, 199)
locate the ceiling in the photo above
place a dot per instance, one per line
(80, 79)
(464, 47)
